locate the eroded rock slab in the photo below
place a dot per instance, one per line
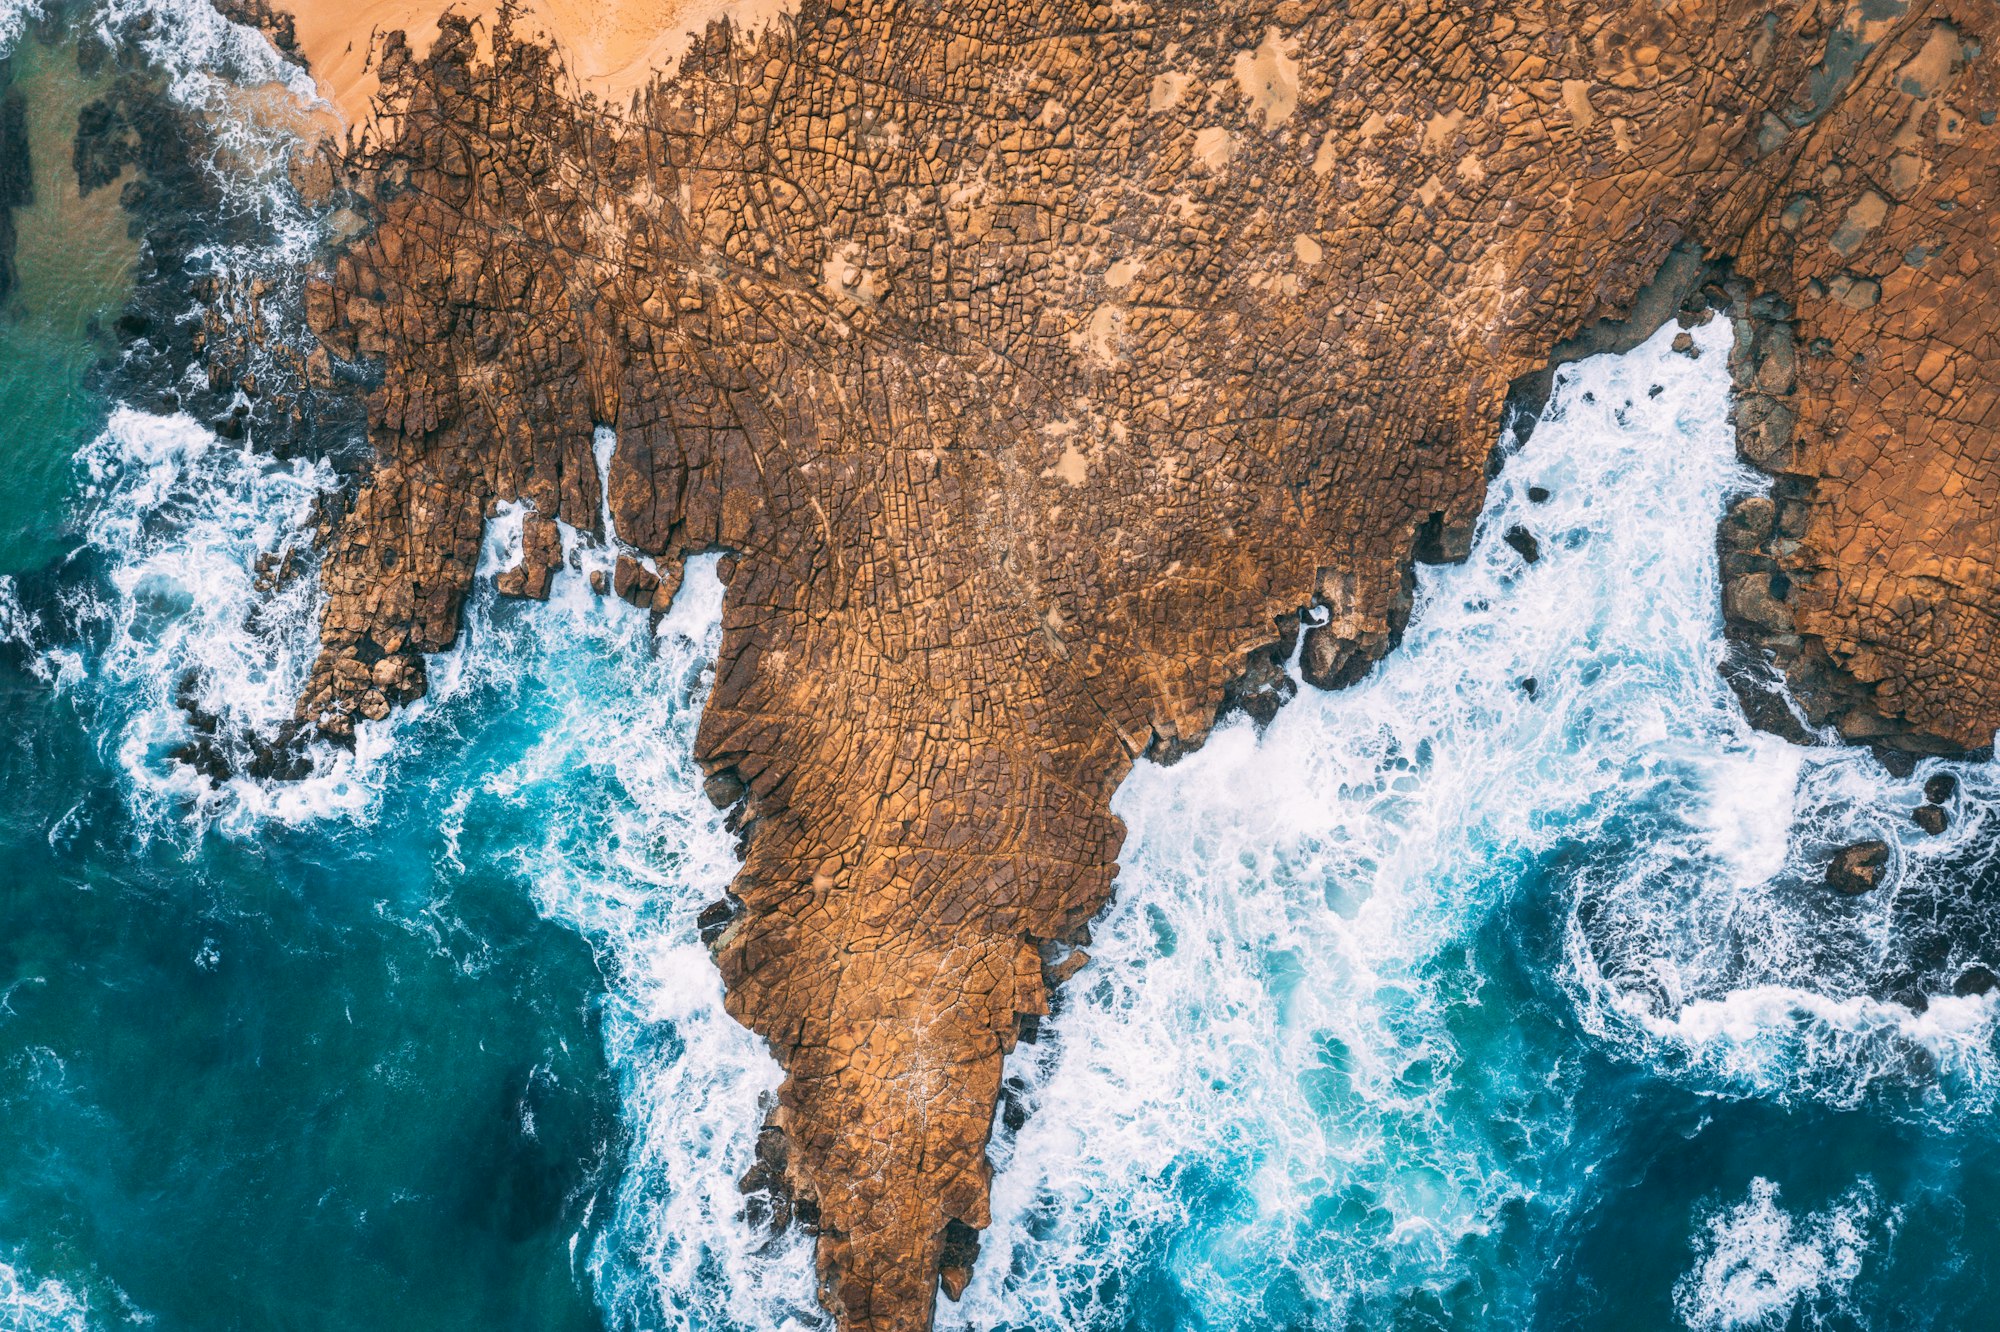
(1036, 364)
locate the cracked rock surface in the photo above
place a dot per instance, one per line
(1036, 363)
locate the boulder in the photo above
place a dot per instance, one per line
(1975, 979)
(633, 581)
(1857, 869)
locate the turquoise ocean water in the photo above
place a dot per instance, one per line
(1441, 1003)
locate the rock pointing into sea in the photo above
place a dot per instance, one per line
(1038, 368)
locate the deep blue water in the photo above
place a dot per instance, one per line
(1438, 1004)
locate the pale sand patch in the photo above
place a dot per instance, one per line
(1268, 78)
(1324, 159)
(1576, 100)
(1167, 91)
(1213, 147)
(1102, 337)
(1440, 128)
(843, 275)
(612, 48)
(1072, 469)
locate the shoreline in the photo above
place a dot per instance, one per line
(611, 49)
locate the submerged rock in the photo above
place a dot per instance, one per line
(1524, 543)
(1975, 979)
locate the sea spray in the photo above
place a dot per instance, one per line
(617, 839)
(1287, 1089)
(30, 1305)
(1302, 1082)
(187, 623)
(1761, 1267)
(15, 16)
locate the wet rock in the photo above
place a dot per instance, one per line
(768, 1201)
(1530, 685)
(1975, 979)
(1538, 494)
(956, 1256)
(1909, 991)
(281, 756)
(1930, 818)
(1684, 344)
(1748, 524)
(634, 582)
(1524, 543)
(714, 919)
(1940, 787)
(723, 789)
(1753, 598)
(1258, 693)
(1857, 869)
(541, 554)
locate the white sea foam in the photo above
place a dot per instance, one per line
(618, 840)
(1262, 1080)
(208, 60)
(1760, 1266)
(609, 827)
(180, 519)
(15, 16)
(616, 836)
(1262, 1075)
(46, 1305)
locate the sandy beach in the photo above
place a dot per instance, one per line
(611, 47)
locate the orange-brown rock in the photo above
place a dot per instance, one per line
(1036, 363)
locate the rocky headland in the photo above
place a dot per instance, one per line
(1037, 365)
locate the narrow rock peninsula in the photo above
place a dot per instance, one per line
(1036, 363)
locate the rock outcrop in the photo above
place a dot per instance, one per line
(1036, 364)
(1857, 869)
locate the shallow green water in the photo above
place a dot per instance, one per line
(73, 255)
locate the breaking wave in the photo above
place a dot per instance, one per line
(28, 1305)
(1324, 1068)
(1296, 1084)
(1759, 1266)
